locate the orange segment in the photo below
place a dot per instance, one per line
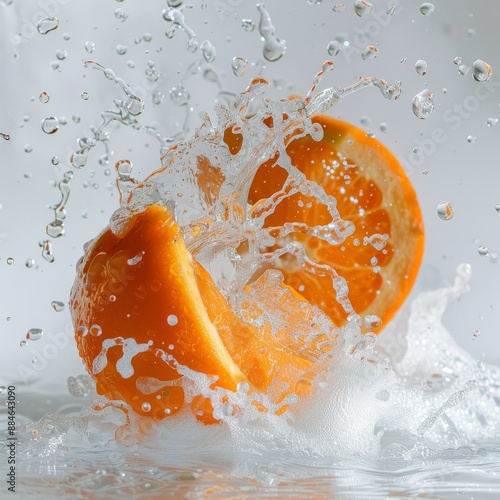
(380, 261)
(141, 303)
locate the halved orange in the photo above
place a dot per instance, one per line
(141, 306)
(380, 260)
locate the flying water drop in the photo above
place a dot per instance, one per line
(44, 98)
(481, 71)
(426, 9)
(362, 7)
(47, 24)
(121, 49)
(121, 15)
(333, 48)
(179, 95)
(34, 334)
(61, 54)
(483, 251)
(423, 104)
(370, 52)
(372, 321)
(421, 67)
(50, 125)
(445, 210)
(89, 46)
(208, 51)
(274, 48)
(239, 65)
(57, 305)
(248, 25)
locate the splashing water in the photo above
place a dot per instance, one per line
(397, 402)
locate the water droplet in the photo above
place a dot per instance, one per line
(172, 319)
(239, 65)
(47, 251)
(362, 7)
(457, 60)
(95, 330)
(421, 67)
(423, 104)
(491, 122)
(370, 52)
(339, 7)
(192, 45)
(50, 125)
(384, 128)
(85, 96)
(248, 24)
(372, 321)
(179, 95)
(157, 97)
(5, 136)
(30, 263)
(463, 69)
(23, 343)
(124, 169)
(476, 334)
(47, 24)
(497, 207)
(426, 9)
(28, 148)
(121, 49)
(89, 46)
(471, 139)
(34, 334)
(390, 11)
(146, 407)
(10, 261)
(131, 64)
(44, 98)
(121, 15)
(208, 51)
(403, 60)
(55, 160)
(333, 48)
(274, 48)
(3, 390)
(57, 305)
(481, 71)
(483, 251)
(61, 54)
(445, 210)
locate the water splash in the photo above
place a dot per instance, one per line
(56, 228)
(176, 17)
(274, 48)
(127, 111)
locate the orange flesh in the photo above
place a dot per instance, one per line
(146, 286)
(374, 193)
